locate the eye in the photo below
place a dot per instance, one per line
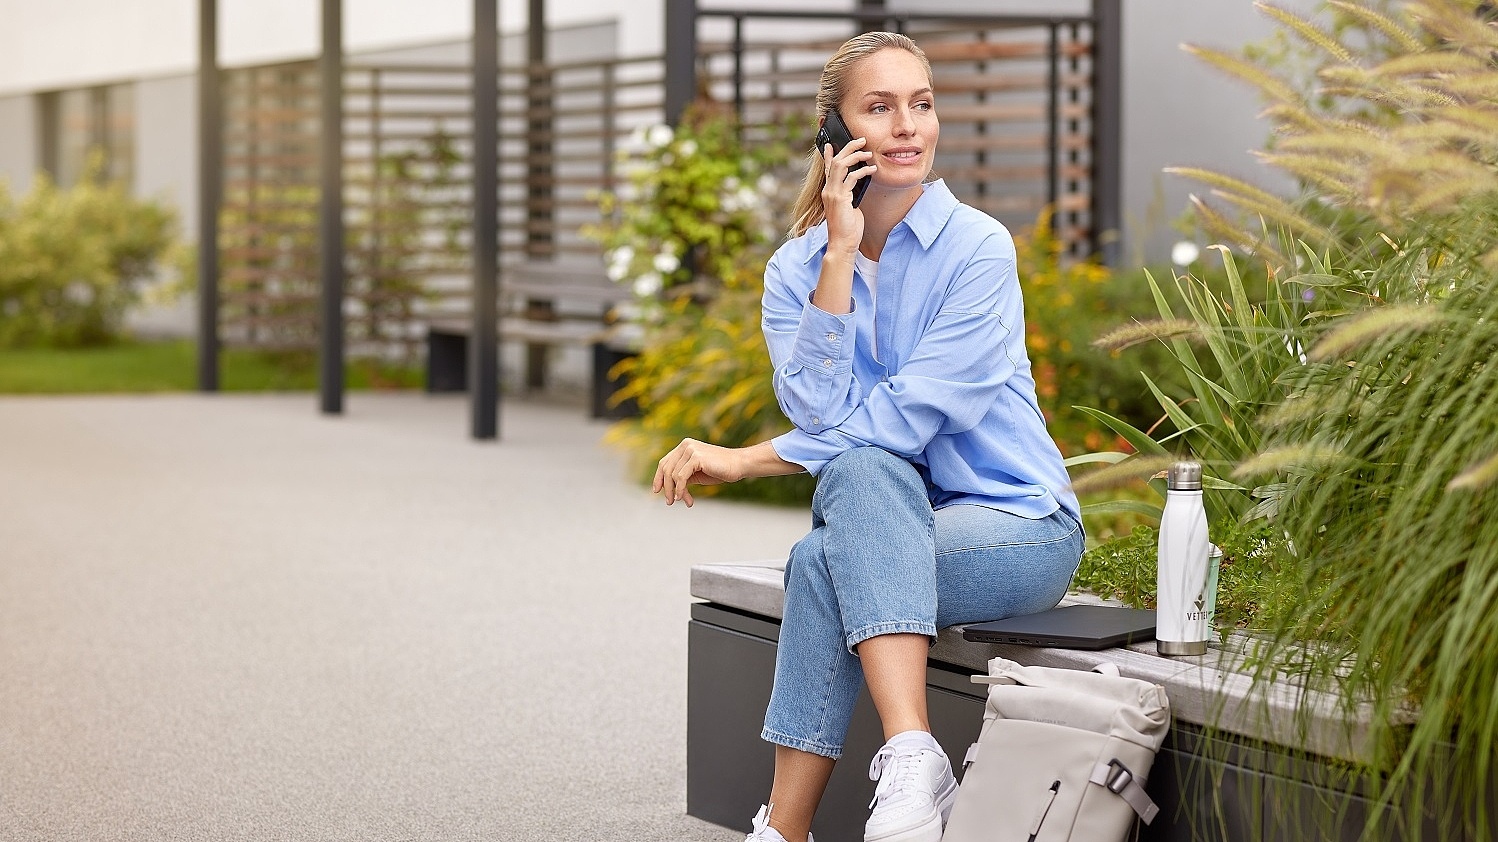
(879, 108)
(925, 106)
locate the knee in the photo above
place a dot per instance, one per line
(874, 469)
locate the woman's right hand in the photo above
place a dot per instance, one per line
(844, 222)
(695, 463)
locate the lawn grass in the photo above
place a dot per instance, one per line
(171, 366)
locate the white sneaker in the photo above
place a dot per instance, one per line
(762, 831)
(915, 793)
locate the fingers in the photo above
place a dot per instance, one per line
(674, 472)
(839, 168)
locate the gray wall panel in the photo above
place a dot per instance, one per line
(166, 170)
(1178, 111)
(19, 157)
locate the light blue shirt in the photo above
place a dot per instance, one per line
(936, 373)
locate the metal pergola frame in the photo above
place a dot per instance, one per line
(483, 369)
(679, 89)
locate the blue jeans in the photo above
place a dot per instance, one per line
(878, 561)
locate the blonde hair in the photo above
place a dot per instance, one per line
(808, 211)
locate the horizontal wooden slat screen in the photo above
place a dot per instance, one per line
(1015, 104)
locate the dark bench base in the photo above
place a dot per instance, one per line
(447, 370)
(1229, 792)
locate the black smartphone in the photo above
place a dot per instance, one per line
(835, 132)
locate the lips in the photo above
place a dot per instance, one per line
(903, 155)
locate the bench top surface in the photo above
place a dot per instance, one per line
(1215, 688)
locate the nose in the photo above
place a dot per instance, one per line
(904, 123)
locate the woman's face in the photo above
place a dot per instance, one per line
(889, 101)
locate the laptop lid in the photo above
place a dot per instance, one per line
(1069, 627)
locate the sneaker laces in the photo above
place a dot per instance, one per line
(902, 780)
(761, 821)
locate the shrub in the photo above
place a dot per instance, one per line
(1067, 302)
(701, 204)
(73, 261)
(705, 374)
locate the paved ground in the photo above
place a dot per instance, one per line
(231, 618)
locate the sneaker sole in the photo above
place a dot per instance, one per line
(929, 831)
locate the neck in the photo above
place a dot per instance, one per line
(882, 211)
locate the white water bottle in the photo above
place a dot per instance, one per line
(1181, 613)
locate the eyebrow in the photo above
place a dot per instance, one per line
(892, 95)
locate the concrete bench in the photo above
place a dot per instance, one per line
(1231, 756)
(546, 305)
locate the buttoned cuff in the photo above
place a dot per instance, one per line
(823, 342)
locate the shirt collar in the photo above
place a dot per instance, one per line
(925, 219)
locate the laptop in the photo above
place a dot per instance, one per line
(1069, 627)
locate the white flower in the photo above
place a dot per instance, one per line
(647, 284)
(731, 183)
(659, 136)
(687, 148)
(622, 255)
(747, 198)
(666, 263)
(767, 184)
(1184, 253)
(617, 271)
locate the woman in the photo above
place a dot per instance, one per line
(896, 331)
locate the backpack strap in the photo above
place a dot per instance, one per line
(1118, 780)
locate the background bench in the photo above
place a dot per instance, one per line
(547, 305)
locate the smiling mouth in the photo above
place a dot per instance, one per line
(909, 155)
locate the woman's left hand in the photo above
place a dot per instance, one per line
(695, 463)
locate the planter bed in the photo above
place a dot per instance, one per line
(1265, 770)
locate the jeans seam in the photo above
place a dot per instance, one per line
(772, 736)
(858, 636)
(827, 685)
(1065, 537)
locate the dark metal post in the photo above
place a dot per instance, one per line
(483, 345)
(738, 70)
(1053, 123)
(681, 57)
(330, 209)
(1107, 129)
(872, 24)
(540, 124)
(210, 192)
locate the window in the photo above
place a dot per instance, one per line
(83, 122)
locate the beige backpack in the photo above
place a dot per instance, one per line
(1063, 756)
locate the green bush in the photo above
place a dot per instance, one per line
(73, 261)
(700, 204)
(1067, 303)
(705, 374)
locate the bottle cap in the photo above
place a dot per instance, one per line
(1184, 476)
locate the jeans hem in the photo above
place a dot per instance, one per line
(799, 744)
(895, 627)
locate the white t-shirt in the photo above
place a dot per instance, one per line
(868, 270)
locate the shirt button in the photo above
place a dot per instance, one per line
(816, 420)
(831, 337)
(827, 363)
